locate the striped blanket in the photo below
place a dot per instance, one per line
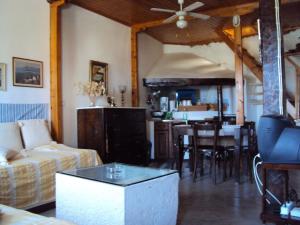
(30, 181)
(11, 216)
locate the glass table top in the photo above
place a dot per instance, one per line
(119, 174)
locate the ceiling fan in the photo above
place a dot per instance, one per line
(182, 13)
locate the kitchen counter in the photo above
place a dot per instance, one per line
(166, 121)
(190, 115)
(109, 107)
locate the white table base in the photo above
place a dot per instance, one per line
(88, 202)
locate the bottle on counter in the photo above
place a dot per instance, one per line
(172, 106)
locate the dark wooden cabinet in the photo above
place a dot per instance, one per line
(163, 140)
(118, 134)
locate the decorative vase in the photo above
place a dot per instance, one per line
(92, 100)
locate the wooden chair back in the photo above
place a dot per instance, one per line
(206, 136)
(178, 132)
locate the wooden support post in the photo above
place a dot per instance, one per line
(134, 67)
(272, 58)
(239, 75)
(220, 103)
(55, 69)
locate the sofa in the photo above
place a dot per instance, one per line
(12, 216)
(29, 159)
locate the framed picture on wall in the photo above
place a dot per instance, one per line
(98, 72)
(27, 73)
(2, 77)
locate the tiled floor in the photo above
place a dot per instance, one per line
(203, 203)
(226, 203)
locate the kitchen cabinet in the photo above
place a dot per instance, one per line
(163, 140)
(118, 134)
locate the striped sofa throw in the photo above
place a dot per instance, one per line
(15, 112)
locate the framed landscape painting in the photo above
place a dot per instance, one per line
(2, 77)
(98, 72)
(27, 72)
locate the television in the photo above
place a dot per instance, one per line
(287, 148)
(271, 133)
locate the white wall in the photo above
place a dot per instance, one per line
(87, 36)
(149, 52)
(24, 32)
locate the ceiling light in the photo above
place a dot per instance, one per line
(181, 24)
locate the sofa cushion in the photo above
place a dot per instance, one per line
(7, 154)
(10, 136)
(35, 133)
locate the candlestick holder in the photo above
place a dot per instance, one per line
(122, 89)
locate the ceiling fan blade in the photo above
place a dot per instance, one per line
(193, 6)
(198, 15)
(170, 19)
(163, 10)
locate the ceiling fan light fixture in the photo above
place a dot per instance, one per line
(182, 12)
(181, 23)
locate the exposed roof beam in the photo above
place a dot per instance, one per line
(143, 26)
(248, 60)
(297, 67)
(227, 11)
(239, 9)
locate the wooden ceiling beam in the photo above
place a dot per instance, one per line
(247, 31)
(297, 67)
(143, 26)
(227, 11)
(239, 9)
(249, 61)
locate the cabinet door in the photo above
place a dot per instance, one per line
(162, 144)
(91, 133)
(126, 132)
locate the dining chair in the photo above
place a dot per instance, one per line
(179, 148)
(248, 148)
(206, 143)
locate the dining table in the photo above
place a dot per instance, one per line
(229, 135)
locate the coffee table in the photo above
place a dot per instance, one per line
(117, 194)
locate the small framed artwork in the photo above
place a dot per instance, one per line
(27, 73)
(2, 77)
(98, 72)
